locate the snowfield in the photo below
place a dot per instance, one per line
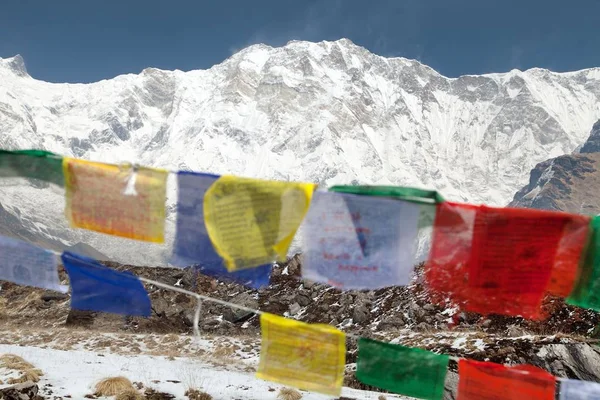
(75, 372)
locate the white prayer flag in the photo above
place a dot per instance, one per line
(360, 242)
(572, 389)
(25, 264)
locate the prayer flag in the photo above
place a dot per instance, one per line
(25, 264)
(488, 381)
(307, 356)
(569, 256)
(403, 370)
(497, 260)
(359, 242)
(96, 287)
(572, 389)
(34, 164)
(192, 243)
(117, 200)
(587, 290)
(253, 222)
(427, 199)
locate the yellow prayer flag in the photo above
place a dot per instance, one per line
(116, 200)
(252, 222)
(307, 356)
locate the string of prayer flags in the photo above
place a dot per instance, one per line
(117, 200)
(571, 389)
(496, 260)
(33, 164)
(307, 356)
(253, 222)
(427, 199)
(587, 289)
(403, 370)
(359, 242)
(193, 245)
(488, 381)
(25, 264)
(96, 287)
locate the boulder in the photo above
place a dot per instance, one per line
(21, 391)
(295, 308)
(571, 360)
(360, 314)
(235, 314)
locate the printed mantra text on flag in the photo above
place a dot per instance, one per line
(359, 242)
(116, 200)
(500, 260)
(192, 244)
(488, 381)
(307, 356)
(252, 222)
(26, 264)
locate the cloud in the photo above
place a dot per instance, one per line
(386, 27)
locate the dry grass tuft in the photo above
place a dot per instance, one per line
(381, 397)
(195, 394)
(113, 386)
(130, 395)
(13, 361)
(30, 375)
(289, 394)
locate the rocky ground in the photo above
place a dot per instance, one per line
(564, 344)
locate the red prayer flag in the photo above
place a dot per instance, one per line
(503, 260)
(488, 381)
(568, 256)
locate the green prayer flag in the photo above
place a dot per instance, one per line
(587, 288)
(35, 164)
(403, 370)
(427, 199)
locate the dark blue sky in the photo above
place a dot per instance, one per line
(82, 41)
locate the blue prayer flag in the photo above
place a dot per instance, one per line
(96, 287)
(26, 264)
(192, 243)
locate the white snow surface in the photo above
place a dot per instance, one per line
(75, 373)
(328, 112)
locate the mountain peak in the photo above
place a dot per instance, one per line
(15, 64)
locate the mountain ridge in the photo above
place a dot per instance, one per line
(328, 112)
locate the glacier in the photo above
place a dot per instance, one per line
(327, 112)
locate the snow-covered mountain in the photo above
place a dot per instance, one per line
(329, 112)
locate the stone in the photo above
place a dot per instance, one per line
(308, 284)
(303, 300)
(429, 307)
(392, 322)
(295, 308)
(21, 391)
(53, 296)
(486, 323)
(423, 326)
(360, 314)
(235, 314)
(579, 360)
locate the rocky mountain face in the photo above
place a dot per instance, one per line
(328, 112)
(567, 183)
